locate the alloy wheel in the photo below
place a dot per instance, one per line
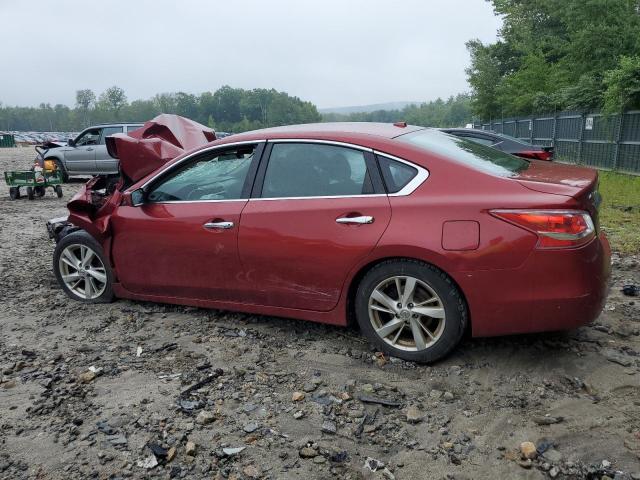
(82, 271)
(406, 313)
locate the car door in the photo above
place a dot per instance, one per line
(81, 157)
(106, 164)
(182, 241)
(317, 209)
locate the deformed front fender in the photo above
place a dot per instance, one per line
(91, 210)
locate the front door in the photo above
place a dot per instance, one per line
(81, 158)
(319, 210)
(182, 242)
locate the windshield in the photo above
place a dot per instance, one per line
(475, 155)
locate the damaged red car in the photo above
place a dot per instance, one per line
(417, 235)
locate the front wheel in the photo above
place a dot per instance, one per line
(30, 193)
(58, 190)
(14, 193)
(411, 310)
(39, 191)
(82, 269)
(60, 168)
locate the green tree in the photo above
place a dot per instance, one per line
(623, 86)
(113, 99)
(552, 55)
(85, 99)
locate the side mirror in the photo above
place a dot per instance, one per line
(71, 142)
(137, 197)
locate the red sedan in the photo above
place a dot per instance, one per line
(417, 235)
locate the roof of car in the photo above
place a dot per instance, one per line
(384, 130)
(118, 124)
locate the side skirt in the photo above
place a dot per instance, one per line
(334, 317)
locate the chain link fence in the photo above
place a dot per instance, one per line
(610, 142)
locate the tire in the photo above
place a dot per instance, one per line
(434, 292)
(30, 193)
(14, 193)
(67, 258)
(61, 169)
(58, 190)
(39, 191)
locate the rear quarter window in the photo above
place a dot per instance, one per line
(396, 174)
(466, 152)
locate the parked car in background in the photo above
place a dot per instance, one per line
(505, 143)
(87, 153)
(416, 234)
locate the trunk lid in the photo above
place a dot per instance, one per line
(580, 183)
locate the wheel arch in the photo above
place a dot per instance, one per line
(54, 156)
(364, 269)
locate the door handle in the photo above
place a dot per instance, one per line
(89, 149)
(362, 220)
(218, 225)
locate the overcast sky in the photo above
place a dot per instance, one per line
(331, 52)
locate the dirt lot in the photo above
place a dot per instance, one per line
(575, 395)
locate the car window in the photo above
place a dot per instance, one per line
(90, 137)
(106, 131)
(480, 140)
(396, 174)
(315, 170)
(519, 141)
(131, 128)
(216, 176)
(465, 152)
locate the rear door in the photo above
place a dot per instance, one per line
(317, 209)
(104, 162)
(183, 241)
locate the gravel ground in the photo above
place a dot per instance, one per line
(98, 391)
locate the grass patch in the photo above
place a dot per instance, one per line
(620, 210)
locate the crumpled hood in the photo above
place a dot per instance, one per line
(159, 140)
(140, 153)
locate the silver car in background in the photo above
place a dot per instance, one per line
(87, 153)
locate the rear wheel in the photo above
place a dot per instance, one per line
(14, 193)
(39, 191)
(411, 310)
(30, 193)
(58, 190)
(82, 269)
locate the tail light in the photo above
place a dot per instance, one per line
(555, 228)
(536, 154)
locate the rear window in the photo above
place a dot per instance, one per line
(514, 139)
(479, 157)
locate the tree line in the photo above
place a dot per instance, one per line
(227, 109)
(558, 55)
(453, 112)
